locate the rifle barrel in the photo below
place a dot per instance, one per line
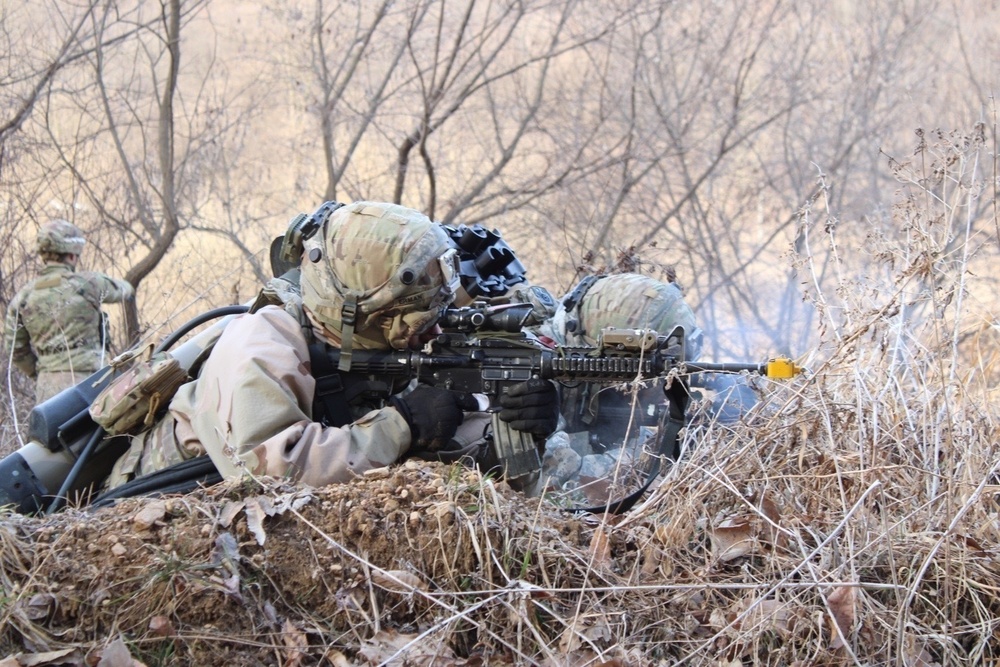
(724, 367)
(781, 368)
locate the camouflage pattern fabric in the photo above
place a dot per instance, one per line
(134, 399)
(53, 324)
(60, 237)
(627, 300)
(250, 410)
(543, 305)
(391, 263)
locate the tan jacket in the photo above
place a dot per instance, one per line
(250, 410)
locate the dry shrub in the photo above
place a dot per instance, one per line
(825, 527)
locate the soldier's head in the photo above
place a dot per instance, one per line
(623, 300)
(377, 275)
(60, 240)
(626, 301)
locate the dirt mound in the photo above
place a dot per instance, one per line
(823, 530)
(260, 572)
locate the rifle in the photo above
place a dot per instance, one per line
(484, 350)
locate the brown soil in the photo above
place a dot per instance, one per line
(780, 541)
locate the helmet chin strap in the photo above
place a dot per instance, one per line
(348, 315)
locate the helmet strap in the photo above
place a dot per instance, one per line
(348, 315)
(572, 301)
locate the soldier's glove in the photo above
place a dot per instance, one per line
(531, 406)
(433, 415)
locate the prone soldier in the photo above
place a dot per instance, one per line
(600, 423)
(373, 276)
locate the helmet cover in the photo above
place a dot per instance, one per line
(628, 301)
(60, 237)
(376, 274)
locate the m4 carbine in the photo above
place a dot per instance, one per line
(484, 351)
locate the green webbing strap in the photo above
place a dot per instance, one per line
(348, 313)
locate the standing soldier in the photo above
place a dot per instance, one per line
(55, 330)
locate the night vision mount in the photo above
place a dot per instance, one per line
(488, 268)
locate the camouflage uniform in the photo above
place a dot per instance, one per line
(590, 444)
(625, 300)
(53, 329)
(251, 407)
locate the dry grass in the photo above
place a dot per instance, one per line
(851, 520)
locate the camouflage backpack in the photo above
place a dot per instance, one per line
(132, 402)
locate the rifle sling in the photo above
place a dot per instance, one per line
(336, 391)
(329, 402)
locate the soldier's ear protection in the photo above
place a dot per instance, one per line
(572, 301)
(286, 250)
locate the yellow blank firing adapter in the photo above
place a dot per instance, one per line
(782, 368)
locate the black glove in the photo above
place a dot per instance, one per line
(433, 415)
(531, 406)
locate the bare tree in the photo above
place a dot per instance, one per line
(156, 142)
(720, 138)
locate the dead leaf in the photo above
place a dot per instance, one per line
(594, 630)
(337, 659)
(391, 648)
(296, 643)
(66, 657)
(769, 508)
(255, 519)
(732, 539)
(767, 615)
(841, 602)
(39, 606)
(597, 491)
(288, 501)
(600, 549)
(582, 658)
(226, 552)
(116, 654)
(719, 619)
(974, 546)
(651, 558)
(398, 581)
(915, 655)
(162, 627)
(229, 512)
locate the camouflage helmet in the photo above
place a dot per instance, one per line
(376, 274)
(61, 237)
(624, 300)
